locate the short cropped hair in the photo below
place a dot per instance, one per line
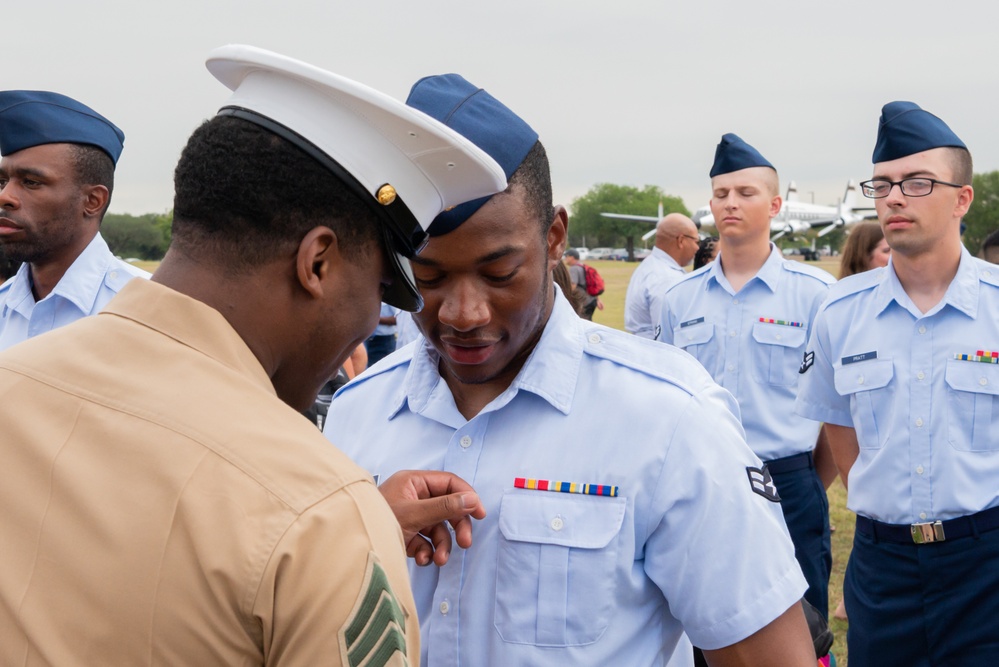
(93, 167)
(245, 196)
(961, 164)
(534, 175)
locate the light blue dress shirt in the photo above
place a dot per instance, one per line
(84, 289)
(646, 289)
(927, 420)
(572, 579)
(752, 342)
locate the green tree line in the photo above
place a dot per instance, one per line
(137, 236)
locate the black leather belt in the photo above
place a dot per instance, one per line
(790, 463)
(931, 531)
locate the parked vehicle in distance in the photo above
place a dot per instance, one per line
(584, 253)
(642, 253)
(619, 254)
(598, 253)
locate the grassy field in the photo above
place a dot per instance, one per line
(616, 276)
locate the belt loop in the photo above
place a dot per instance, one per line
(974, 527)
(874, 532)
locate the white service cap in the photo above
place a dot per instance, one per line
(407, 166)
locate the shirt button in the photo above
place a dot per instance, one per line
(983, 381)
(113, 275)
(920, 375)
(445, 607)
(731, 367)
(860, 379)
(919, 422)
(922, 515)
(735, 301)
(919, 470)
(922, 329)
(557, 523)
(777, 336)
(731, 334)
(594, 338)
(465, 441)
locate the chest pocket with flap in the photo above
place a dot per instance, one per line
(556, 567)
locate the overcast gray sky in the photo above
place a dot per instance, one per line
(632, 92)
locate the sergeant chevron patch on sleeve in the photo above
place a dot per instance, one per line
(762, 482)
(374, 634)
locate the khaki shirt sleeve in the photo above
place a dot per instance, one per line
(336, 590)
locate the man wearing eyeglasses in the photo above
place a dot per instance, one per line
(676, 244)
(746, 318)
(902, 366)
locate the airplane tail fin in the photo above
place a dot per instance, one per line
(792, 192)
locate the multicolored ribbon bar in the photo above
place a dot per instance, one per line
(770, 320)
(565, 487)
(982, 356)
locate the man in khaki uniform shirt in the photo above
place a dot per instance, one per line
(163, 501)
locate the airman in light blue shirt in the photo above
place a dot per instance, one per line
(903, 366)
(611, 528)
(746, 318)
(56, 178)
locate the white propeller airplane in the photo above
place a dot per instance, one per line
(795, 216)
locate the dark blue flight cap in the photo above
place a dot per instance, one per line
(483, 120)
(734, 154)
(31, 118)
(906, 129)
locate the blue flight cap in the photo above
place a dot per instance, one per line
(906, 129)
(734, 154)
(482, 119)
(32, 117)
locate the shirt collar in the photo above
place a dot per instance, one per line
(961, 294)
(769, 273)
(666, 257)
(80, 285)
(188, 321)
(550, 372)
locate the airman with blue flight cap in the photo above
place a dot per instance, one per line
(904, 374)
(56, 180)
(746, 318)
(506, 369)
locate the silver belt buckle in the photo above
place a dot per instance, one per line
(924, 533)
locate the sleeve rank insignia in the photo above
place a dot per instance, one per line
(374, 634)
(762, 483)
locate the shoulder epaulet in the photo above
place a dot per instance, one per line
(653, 358)
(120, 273)
(812, 271)
(988, 273)
(687, 277)
(858, 282)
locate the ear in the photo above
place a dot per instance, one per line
(557, 235)
(775, 205)
(965, 196)
(95, 199)
(317, 253)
